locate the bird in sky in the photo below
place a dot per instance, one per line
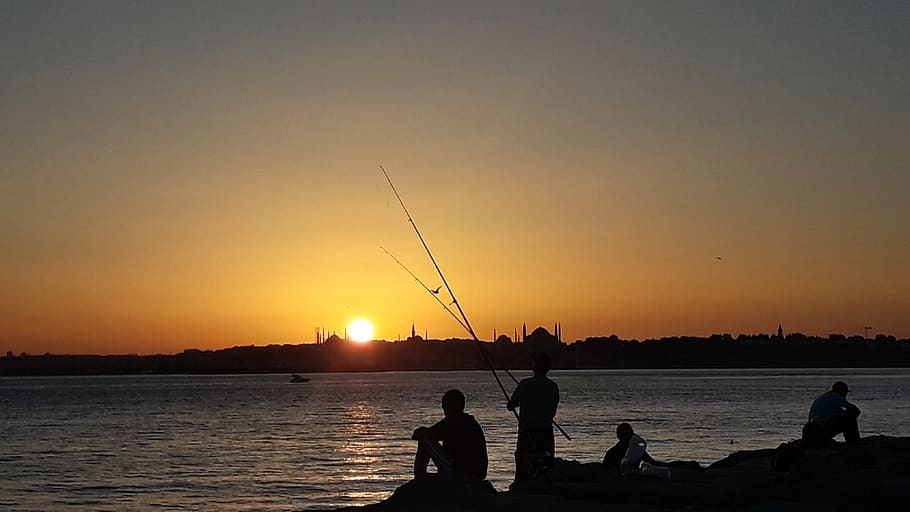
(718, 258)
(436, 291)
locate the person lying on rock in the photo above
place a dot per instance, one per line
(455, 443)
(630, 455)
(830, 415)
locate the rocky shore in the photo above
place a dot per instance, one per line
(872, 476)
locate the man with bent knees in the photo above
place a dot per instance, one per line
(455, 443)
(830, 415)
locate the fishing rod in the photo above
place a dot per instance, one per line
(464, 318)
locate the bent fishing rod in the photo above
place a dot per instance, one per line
(464, 322)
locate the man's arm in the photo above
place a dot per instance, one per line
(432, 433)
(555, 400)
(515, 399)
(852, 410)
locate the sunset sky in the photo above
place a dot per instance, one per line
(206, 174)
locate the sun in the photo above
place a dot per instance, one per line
(361, 330)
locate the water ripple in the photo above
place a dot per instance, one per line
(254, 442)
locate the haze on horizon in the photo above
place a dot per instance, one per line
(196, 174)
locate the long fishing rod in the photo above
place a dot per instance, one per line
(466, 323)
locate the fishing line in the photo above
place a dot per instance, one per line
(427, 288)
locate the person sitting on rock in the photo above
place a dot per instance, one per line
(630, 455)
(831, 414)
(455, 443)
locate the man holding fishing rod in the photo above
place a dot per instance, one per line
(536, 398)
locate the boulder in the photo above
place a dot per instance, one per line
(874, 475)
(451, 488)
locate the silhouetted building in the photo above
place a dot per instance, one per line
(541, 339)
(780, 331)
(333, 339)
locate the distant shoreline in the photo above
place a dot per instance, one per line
(480, 370)
(415, 354)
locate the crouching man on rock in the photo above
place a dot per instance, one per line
(630, 455)
(455, 444)
(830, 415)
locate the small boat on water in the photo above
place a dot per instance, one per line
(297, 378)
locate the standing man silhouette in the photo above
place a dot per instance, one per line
(536, 398)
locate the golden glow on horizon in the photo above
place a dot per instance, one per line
(361, 330)
(192, 194)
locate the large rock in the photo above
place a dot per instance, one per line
(436, 489)
(872, 476)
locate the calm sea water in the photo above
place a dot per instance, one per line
(257, 442)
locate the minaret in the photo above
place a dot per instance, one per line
(524, 331)
(780, 331)
(413, 331)
(494, 334)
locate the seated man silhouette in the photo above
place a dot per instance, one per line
(630, 455)
(455, 444)
(830, 415)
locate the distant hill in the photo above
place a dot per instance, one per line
(339, 355)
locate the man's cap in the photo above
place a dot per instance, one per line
(840, 387)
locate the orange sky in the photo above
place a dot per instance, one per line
(202, 179)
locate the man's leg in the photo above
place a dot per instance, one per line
(846, 424)
(815, 436)
(421, 460)
(548, 444)
(428, 450)
(531, 445)
(522, 448)
(851, 430)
